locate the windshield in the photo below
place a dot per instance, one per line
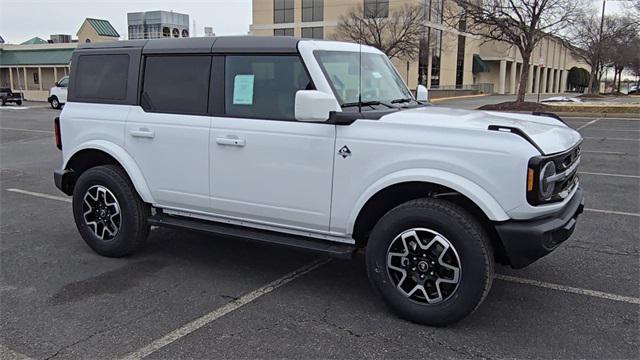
(380, 82)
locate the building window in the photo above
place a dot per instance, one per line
(282, 11)
(87, 40)
(312, 10)
(435, 40)
(376, 8)
(460, 61)
(283, 32)
(36, 78)
(313, 32)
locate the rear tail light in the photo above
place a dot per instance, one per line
(56, 131)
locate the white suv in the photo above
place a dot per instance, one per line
(58, 93)
(317, 145)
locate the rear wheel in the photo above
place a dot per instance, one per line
(3, 101)
(19, 102)
(109, 214)
(431, 261)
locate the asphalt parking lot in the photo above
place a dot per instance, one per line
(192, 296)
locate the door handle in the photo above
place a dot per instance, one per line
(230, 141)
(143, 133)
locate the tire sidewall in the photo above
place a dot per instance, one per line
(55, 103)
(128, 213)
(473, 261)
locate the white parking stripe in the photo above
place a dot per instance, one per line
(587, 124)
(604, 152)
(607, 174)
(623, 130)
(8, 354)
(569, 289)
(41, 195)
(612, 212)
(27, 130)
(222, 311)
(609, 138)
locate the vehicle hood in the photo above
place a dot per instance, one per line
(549, 135)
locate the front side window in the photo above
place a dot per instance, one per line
(376, 8)
(265, 86)
(176, 84)
(313, 32)
(102, 77)
(351, 72)
(64, 82)
(282, 11)
(312, 10)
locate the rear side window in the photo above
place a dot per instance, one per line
(264, 86)
(102, 77)
(176, 84)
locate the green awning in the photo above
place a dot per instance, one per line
(479, 65)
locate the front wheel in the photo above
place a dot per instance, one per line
(431, 261)
(55, 104)
(109, 214)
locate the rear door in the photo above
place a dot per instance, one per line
(168, 135)
(266, 167)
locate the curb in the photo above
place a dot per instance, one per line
(457, 97)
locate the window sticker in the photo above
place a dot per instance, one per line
(243, 89)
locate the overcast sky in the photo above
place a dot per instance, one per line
(21, 20)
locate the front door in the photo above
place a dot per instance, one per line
(168, 135)
(266, 167)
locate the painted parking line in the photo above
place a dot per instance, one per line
(40, 195)
(609, 138)
(27, 130)
(222, 311)
(587, 124)
(569, 289)
(604, 152)
(622, 130)
(607, 174)
(612, 212)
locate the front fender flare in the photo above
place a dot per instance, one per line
(466, 187)
(123, 158)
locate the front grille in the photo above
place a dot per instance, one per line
(563, 162)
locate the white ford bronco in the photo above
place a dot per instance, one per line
(317, 145)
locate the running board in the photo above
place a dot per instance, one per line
(331, 248)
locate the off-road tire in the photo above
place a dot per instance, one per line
(465, 234)
(133, 229)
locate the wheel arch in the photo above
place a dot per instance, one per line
(378, 200)
(99, 153)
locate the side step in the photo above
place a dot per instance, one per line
(331, 248)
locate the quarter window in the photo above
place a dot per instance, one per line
(264, 87)
(102, 77)
(312, 10)
(176, 84)
(282, 11)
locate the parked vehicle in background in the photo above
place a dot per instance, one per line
(634, 90)
(8, 96)
(317, 145)
(58, 93)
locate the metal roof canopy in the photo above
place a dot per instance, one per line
(103, 27)
(222, 44)
(35, 57)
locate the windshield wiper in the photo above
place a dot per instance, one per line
(368, 103)
(401, 100)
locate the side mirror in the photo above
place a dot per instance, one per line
(422, 94)
(314, 106)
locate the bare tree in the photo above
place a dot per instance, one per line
(520, 23)
(594, 43)
(397, 33)
(621, 51)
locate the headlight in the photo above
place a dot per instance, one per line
(547, 188)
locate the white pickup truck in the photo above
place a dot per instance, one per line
(317, 145)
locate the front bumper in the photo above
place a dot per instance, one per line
(526, 241)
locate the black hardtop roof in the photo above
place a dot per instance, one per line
(217, 44)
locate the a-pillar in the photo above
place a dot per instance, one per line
(530, 79)
(543, 86)
(512, 77)
(503, 74)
